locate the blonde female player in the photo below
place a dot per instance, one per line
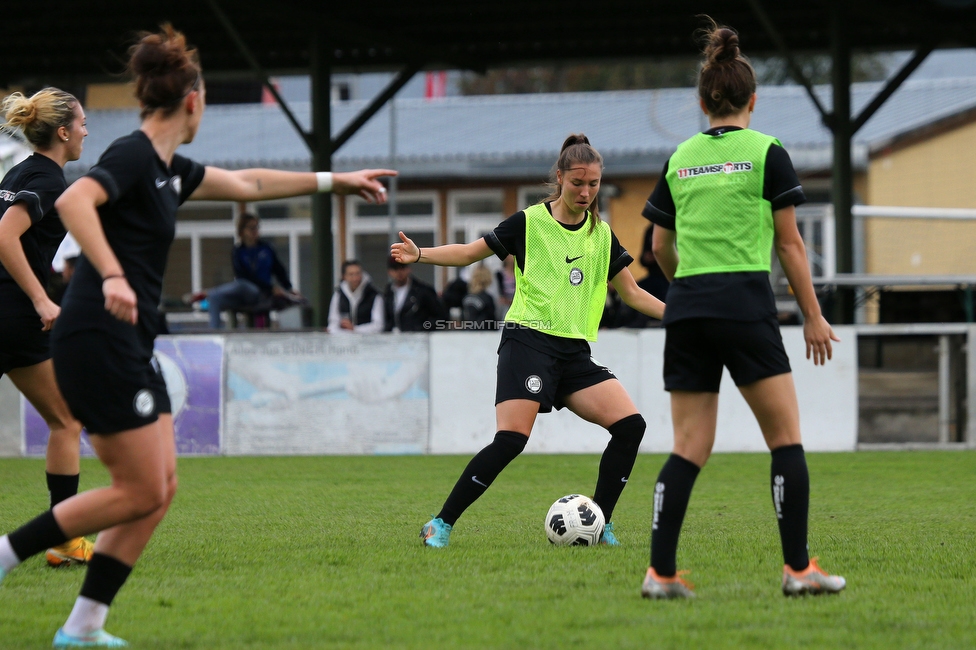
(724, 198)
(123, 214)
(53, 122)
(564, 257)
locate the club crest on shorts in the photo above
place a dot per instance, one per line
(144, 403)
(575, 277)
(533, 384)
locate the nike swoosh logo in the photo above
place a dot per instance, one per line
(160, 184)
(475, 479)
(623, 480)
(570, 260)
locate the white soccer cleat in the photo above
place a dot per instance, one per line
(656, 587)
(812, 580)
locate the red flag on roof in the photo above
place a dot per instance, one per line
(436, 85)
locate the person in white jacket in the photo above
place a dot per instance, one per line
(356, 305)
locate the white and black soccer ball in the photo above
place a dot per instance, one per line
(574, 520)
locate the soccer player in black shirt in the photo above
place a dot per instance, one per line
(123, 215)
(565, 255)
(727, 196)
(53, 122)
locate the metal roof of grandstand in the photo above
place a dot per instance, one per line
(387, 34)
(510, 136)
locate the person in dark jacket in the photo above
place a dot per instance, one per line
(356, 304)
(256, 266)
(411, 304)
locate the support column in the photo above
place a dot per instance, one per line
(970, 436)
(842, 183)
(322, 246)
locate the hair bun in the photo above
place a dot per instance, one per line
(722, 46)
(19, 110)
(159, 57)
(165, 69)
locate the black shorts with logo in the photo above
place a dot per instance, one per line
(111, 383)
(696, 349)
(527, 373)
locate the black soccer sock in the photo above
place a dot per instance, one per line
(617, 462)
(61, 487)
(38, 534)
(790, 483)
(104, 578)
(480, 472)
(671, 495)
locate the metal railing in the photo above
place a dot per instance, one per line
(942, 332)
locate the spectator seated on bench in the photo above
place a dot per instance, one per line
(258, 315)
(252, 292)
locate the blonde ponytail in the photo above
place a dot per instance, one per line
(39, 116)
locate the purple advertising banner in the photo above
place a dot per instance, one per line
(193, 369)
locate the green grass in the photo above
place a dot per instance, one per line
(323, 553)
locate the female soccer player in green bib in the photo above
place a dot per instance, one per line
(724, 198)
(564, 257)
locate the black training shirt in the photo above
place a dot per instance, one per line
(37, 182)
(508, 238)
(139, 220)
(740, 296)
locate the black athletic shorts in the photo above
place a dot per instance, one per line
(526, 373)
(111, 383)
(22, 343)
(696, 349)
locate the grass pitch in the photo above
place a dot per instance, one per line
(323, 553)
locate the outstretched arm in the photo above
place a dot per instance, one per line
(263, 184)
(793, 256)
(407, 252)
(635, 297)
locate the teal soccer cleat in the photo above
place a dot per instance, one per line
(608, 538)
(436, 533)
(99, 639)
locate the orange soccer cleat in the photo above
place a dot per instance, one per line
(75, 551)
(812, 580)
(674, 587)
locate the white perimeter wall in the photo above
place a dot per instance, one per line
(462, 396)
(313, 393)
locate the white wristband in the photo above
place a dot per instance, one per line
(324, 180)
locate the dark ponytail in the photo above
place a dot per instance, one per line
(726, 80)
(576, 151)
(165, 69)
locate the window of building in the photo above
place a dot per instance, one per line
(815, 221)
(532, 194)
(370, 231)
(200, 256)
(472, 214)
